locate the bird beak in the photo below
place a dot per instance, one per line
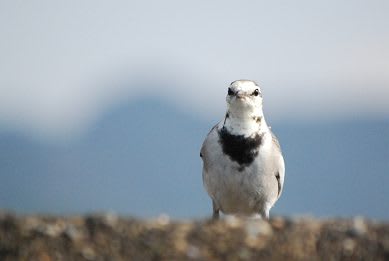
(240, 95)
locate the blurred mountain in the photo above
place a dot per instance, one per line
(142, 158)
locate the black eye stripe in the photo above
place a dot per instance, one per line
(230, 91)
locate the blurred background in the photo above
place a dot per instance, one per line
(104, 105)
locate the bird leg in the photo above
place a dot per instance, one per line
(215, 213)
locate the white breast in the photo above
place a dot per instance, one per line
(236, 191)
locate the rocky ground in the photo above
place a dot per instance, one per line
(108, 237)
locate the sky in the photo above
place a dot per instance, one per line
(105, 104)
(64, 63)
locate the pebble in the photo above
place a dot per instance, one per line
(255, 228)
(110, 219)
(51, 230)
(193, 252)
(348, 246)
(88, 253)
(73, 233)
(256, 232)
(232, 221)
(359, 226)
(163, 220)
(278, 222)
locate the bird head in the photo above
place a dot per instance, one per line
(244, 97)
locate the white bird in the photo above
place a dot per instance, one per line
(243, 166)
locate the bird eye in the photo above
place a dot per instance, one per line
(256, 92)
(230, 91)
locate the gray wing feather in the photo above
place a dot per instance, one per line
(279, 162)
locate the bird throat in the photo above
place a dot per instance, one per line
(245, 125)
(240, 148)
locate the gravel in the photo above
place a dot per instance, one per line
(110, 237)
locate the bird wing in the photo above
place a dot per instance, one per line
(207, 153)
(205, 143)
(279, 164)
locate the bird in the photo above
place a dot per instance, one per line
(243, 166)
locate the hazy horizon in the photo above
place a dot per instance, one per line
(142, 159)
